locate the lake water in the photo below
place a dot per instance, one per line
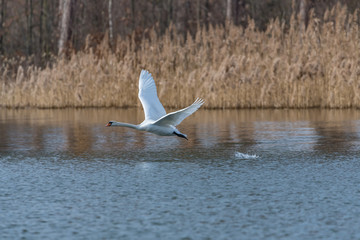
(243, 174)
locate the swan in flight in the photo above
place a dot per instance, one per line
(156, 120)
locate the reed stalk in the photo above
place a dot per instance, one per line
(232, 67)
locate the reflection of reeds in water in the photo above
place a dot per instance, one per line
(229, 67)
(83, 130)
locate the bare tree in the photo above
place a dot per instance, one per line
(228, 11)
(198, 13)
(133, 15)
(38, 26)
(111, 37)
(303, 14)
(240, 12)
(170, 11)
(41, 25)
(2, 21)
(207, 12)
(29, 22)
(64, 9)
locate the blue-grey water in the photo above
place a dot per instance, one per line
(243, 174)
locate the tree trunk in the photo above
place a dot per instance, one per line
(303, 14)
(240, 12)
(153, 4)
(65, 7)
(31, 27)
(170, 12)
(29, 17)
(198, 13)
(111, 37)
(207, 13)
(50, 10)
(228, 11)
(2, 30)
(41, 26)
(132, 15)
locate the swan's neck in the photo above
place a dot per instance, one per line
(120, 124)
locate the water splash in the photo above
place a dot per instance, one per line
(245, 155)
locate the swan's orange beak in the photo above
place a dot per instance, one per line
(108, 125)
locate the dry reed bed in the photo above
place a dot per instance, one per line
(230, 67)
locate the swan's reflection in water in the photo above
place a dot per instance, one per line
(83, 130)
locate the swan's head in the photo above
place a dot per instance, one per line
(109, 124)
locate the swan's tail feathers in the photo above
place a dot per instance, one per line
(175, 118)
(179, 134)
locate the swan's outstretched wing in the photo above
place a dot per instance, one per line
(175, 118)
(147, 94)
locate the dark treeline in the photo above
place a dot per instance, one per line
(41, 28)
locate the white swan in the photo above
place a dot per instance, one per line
(156, 120)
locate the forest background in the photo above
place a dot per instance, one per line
(233, 53)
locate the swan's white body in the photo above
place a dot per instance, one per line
(156, 120)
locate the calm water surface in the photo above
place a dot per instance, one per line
(249, 174)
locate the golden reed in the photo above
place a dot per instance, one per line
(229, 67)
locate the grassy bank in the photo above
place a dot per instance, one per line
(230, 67)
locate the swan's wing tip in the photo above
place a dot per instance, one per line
(148, 96)
(199, 101)
(144, 72)
(145, 79)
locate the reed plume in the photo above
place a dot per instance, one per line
(232, 67)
